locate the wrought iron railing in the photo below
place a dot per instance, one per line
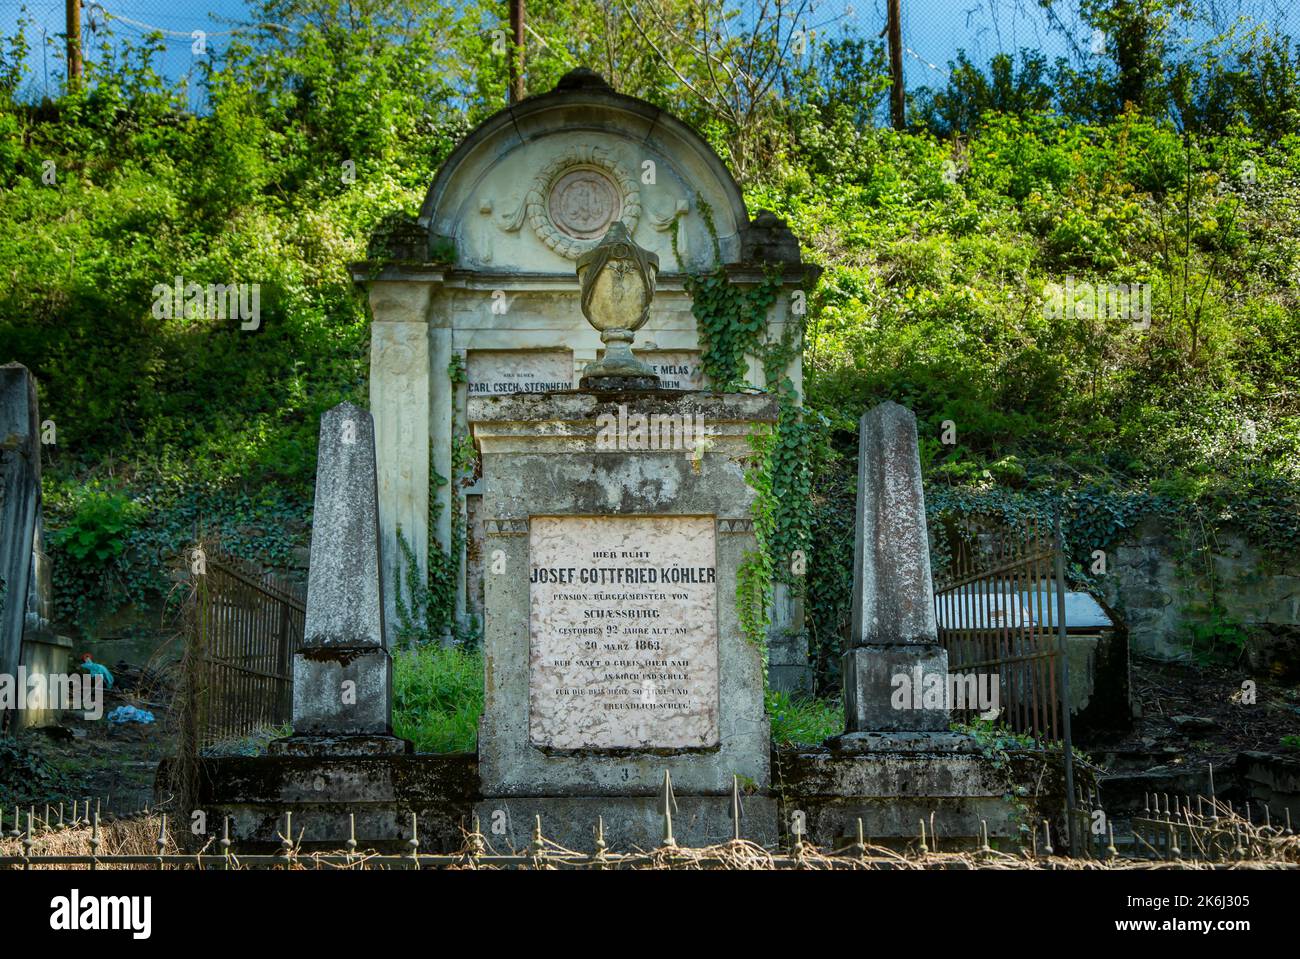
(998, 595)
(246, 625)
(1000, 610)
(1216, 833)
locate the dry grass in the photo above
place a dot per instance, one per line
(137, 836)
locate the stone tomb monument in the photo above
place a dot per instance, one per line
(477, 299)
(608, 526)
(20, 503)
(613, 653)
(613, 647)
(26, 638)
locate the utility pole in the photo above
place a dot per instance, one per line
(517, 51)
(73, 9)
(897, 103)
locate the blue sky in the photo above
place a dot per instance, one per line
(933, 30)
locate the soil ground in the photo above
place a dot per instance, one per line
(1197, 714)
(114, 764)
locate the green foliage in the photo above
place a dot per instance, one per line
(973, 93)
(938, 257)
(256, 743)
(28, 779)
(803, 720)
(166, 518)
(414, 602)
(98, 527)
(995, 740)
(426, 609)
(1243, 73)
(732, 320)
(438, 697)
(1213, 636)
(733, 323)
(935, 294)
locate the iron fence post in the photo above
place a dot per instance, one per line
(1063, 643)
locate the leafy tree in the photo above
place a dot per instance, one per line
(971, 93)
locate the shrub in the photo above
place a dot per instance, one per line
(98, 528)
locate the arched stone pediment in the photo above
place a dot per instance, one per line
(538, 183)
(480, 296)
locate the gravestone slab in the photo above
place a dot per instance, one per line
(553, 496)
(612, 644)
(20, 498)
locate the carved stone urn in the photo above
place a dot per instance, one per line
(617, 279)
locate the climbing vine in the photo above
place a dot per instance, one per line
(732, 321)
(427, 611)
(754, 577)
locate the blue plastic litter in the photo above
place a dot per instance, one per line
(96, 669)
(129, 714)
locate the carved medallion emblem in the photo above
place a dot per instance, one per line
(584, 202)
(572, 201)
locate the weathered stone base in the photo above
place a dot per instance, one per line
(892, 784)
(869, 690)
(903, 742)
(329, 746)
(896, 823)
(829, 790)
(44, 654)
(631, 823)
(1272, 780)
(794, 680)
(323, 702)
(322, 793)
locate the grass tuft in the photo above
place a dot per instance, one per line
(438, 697)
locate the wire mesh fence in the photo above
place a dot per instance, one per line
(933, 31)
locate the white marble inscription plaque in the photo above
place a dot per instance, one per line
(677, 369)
(623, 648)
(501, 372)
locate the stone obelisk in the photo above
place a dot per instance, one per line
(343, 673)
(894, 632)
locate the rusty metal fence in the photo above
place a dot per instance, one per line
(246, 625)
(998, 600)
(1214, 836)
(1000, 610)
